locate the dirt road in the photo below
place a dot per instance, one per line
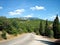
(39, 40)
(28, 39)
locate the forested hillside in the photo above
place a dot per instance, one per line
(15, 26)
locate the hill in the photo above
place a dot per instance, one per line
(20, 25)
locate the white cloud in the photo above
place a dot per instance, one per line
(53, 17)
(30, 15)
(59, 18)
(1, 7)
(45, 18)
(38, 8)
(16, 12)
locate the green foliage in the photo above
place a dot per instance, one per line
(17, 26)
(41, 31)
(56, 27)
(36, 30)
(2, 22)
(46, 28)
(29, 29)
(4, 34)
(50, 33)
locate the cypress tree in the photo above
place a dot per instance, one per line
(46, 28)
(41, 28)
(56, 27)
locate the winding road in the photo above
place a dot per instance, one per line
(28, 39)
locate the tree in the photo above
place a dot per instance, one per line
(46, 28)
(2, 22)
(41, 28)
(56, 27)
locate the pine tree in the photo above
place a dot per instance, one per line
(56, 27)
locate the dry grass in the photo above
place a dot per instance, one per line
(10, 37)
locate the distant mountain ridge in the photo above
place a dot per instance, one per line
(29, 18)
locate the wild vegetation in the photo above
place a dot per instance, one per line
(15, 26)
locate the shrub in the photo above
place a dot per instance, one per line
(4, 34)
(36, 30)
(50, 33)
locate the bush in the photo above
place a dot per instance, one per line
(50, 33)
(36, 30)
(14, 31)
(4, 34)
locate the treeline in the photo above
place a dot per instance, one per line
(15, 26)
(52, 30)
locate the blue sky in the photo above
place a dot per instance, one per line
(44, 9)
